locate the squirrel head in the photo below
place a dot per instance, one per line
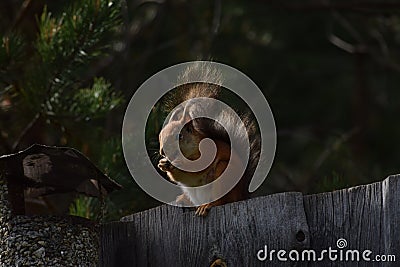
(179, 128)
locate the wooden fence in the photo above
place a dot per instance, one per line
(362, 221)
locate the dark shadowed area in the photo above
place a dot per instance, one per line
(329, 70)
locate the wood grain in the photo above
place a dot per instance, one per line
(366, 217)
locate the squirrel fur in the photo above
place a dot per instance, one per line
(197, 129)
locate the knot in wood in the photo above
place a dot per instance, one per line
(300, 236)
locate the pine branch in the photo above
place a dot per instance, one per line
(69, 44)
(91, 102)
(12, 54)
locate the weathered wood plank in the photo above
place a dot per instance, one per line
(365, 216)
(391, 216)
(117, 241)
(172, 236)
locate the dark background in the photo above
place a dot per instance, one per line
(329, 70)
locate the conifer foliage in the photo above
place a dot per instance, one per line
(50, 92)
(48, 76)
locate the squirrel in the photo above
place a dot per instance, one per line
(195, 130)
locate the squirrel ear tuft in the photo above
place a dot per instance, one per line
(176, 115)
(186, 117)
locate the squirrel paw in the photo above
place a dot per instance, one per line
(203, 210)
